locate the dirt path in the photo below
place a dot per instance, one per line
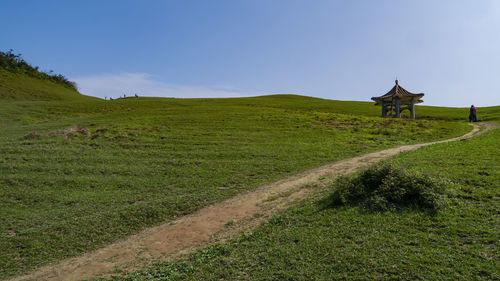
(213, 223)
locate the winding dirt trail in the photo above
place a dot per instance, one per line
(216, 222)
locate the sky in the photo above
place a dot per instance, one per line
(342, 50)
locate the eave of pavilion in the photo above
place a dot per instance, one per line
(402, 94)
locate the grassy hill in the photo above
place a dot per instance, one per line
(21, 87)
(78, 172)
(318, 241)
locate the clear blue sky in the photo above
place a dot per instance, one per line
(346, 50)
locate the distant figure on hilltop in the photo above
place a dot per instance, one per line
(136, 95)
(472, 114)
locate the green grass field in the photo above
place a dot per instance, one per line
(315, 241)
(136, 162)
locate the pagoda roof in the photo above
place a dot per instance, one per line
(401, 93)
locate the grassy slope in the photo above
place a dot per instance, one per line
(148, 160)
(20, 87)
(491, 113)
(311, 242)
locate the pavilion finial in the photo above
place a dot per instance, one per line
(397, 81)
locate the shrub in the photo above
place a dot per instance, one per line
(388, 187)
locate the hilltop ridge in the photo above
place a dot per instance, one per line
(21, 87)
(20, 81)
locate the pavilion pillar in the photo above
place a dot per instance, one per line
(398, 113)
(384, 109)
(412, 110)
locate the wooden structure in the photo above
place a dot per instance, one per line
(397, 100)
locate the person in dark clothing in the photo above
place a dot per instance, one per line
(472, 114)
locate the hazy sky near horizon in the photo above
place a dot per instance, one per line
(344, 50)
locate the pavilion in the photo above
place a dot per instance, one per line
(397, 100)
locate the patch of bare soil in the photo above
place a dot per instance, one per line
(70, 131)
(214, 223)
